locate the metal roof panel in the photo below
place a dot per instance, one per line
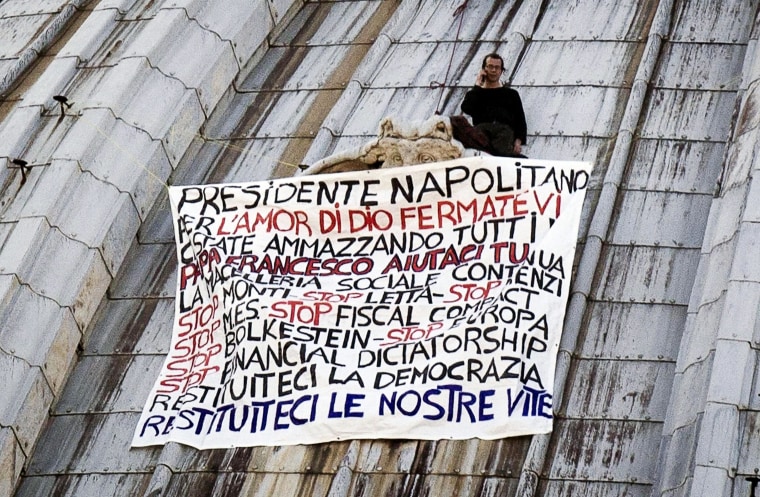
(255, 159)
(79, 270)
(745, 268)
(700, 66)
(91, 443)
(15, 133)
(245, 23)
(320, 458)
(394, 457)
(50, 131)
(74, 212)
(752, 212)
(591, 149)
(712, 20)
(660, 218)
(744, 322)
(609, 20)
(117, 39)
(690, 388)
(120, 5)
(620, 389)
(134, 10)
(86, 41)
(18, 32)
(119, 154)
(9, 283)
(725, 218)
(51, 82)
(645, 290)
(464, 457)
(371, 484)
(717, 420)
(566, 488)
(736, 362)
(146, 103)
(68, 485)
(571, 110)
(148, 271)
(578, 63)
(634, 331)
(406, 65)
(248, 484)
(680, 459)
(436, 21)
(688, 115)
(109, 383)
(750, 442)
(738, 163)
(279, 8)
(404, 104)
(292, 110)
(347, 142)
(321, 23)
(132, 325)
(599, 450)
(14, 257)
(157, 224)
(299, 68)
(180, 48)
(472, 457)
(647, 274)
(12, 459)
(26, 396)
(49, 350)
(674, 165)
(700, 343)
(25, 8)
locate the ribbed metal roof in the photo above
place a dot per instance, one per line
(657, 390)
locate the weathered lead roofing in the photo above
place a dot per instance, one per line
(657, 390)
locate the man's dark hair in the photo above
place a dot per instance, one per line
(492, 56)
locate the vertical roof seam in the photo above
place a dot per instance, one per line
(539, 446)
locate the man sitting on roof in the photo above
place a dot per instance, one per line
(496, 111)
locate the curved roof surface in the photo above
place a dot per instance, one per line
(657, 381)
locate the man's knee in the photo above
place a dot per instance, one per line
(501, 138)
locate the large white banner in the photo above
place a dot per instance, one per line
(422, 302)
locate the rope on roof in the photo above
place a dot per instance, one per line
(459, 11)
